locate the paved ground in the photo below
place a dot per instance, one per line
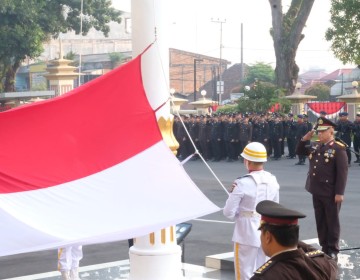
(212, 234)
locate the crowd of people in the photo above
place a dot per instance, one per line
(223, 136)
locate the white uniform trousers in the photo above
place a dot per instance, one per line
(247, 259)
(69, 257)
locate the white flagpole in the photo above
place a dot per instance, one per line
(157, 255)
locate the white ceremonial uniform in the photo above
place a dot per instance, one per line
(240, 207)
(69, 257)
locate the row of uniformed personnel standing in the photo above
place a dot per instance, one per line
(349, 132)
(223, 136)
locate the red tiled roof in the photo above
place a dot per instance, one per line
(335, 75)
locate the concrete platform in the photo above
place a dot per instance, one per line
(219, 267)
(120, 271)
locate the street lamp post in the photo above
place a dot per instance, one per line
(355, 85)
(298, 87)
(195, 61)
(203, 93)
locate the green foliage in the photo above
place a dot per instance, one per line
(262, 97)
(260, 71)
(344, 33)
(320, 90)
(70, 55)
(40, 86)
(229, 108)
(26, 24)
(116, 58)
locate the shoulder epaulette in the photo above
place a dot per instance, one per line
(315, 253)
(317, 140)
(340, 144)
(264, 267)
(247, 175)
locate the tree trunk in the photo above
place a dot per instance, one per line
(286, 33)
(9, 84)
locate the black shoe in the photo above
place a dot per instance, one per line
(357, 161)
(299, 163)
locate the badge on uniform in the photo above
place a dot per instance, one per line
(329, 154)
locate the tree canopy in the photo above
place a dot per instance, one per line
(26, 24)
(260, 71)
(321, 91)
(345, 31)
(260, 97)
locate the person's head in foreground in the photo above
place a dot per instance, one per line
(279, 227)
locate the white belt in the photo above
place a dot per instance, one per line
(249, 214)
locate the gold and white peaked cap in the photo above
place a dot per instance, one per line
(255, 151)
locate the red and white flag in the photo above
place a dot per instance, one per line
(90, 166)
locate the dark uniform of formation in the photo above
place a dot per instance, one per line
(224, 136)
(289, 258)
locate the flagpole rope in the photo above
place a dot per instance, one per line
(177, 113)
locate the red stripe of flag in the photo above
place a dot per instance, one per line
(78, 134)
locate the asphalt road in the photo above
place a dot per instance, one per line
(212, 234)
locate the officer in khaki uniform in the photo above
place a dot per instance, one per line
(289, 258)
(326, 182)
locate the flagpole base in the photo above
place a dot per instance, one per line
(163, 264)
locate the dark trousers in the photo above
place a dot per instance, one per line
(216, 147)
(243, 145)
(347, 140)
(205, 149)
(357, 146)
(276, 144)
(327, 223)
(291, 142)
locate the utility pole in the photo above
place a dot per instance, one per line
(220, 85)
(195, 61)
(242, 54)
(81, 36)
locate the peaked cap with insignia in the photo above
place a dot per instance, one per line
(275, 214)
